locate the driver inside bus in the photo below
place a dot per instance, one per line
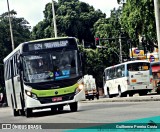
(65, 63)
(41, 66)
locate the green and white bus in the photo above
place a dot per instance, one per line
(44, 73)
(128, 78)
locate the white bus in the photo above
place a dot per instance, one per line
(44, 73)
(128, 78)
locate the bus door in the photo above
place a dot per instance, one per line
(111, 78)
(16, 86)
(13, 94)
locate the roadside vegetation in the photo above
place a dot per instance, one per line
(75, 18)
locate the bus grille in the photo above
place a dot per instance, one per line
(44, 100)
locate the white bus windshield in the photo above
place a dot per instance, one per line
(52, 66)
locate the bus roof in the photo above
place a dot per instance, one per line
(45, 39)
(128, 62)
(19, 47)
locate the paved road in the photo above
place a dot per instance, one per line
(89, 112)
(103, 110)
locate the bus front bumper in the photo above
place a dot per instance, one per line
(52, 101)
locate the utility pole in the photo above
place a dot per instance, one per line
(157, 17)
(120, 48)
(10, 25)
(54, 20)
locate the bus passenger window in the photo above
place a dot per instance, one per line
(123, 73)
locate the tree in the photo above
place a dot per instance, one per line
(109, 30)
(21, 33)
(138, 19)
(73, 18)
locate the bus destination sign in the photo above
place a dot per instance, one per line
(48, 45)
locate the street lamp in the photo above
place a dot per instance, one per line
(157, 18)
(120, 45)
(120, 36)
(10, 25)
(130, 49)
(54, 20)
(144, 43)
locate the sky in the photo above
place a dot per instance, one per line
(32, 10)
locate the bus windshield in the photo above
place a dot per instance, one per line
(138, 66)
(57, 65)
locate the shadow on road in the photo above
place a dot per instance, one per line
(48, 113)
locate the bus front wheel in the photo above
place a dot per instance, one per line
(22, 112)
(28, 112)
(15, 112)
(74, 106)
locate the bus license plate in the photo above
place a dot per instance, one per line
(134, 80)
(56, 99)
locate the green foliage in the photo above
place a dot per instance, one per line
(73, 18)
(110, 29)
(21, 33)
(94, 65)
(138, 19)
(80, 20)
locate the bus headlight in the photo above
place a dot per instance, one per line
(30, 94)
(80, 87)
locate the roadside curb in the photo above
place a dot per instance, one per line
(125, 99)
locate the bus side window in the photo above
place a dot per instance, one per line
(111, 74)
(119, 73)
(123, 73)
(107, 75)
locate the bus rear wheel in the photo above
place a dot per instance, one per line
(158, 90)
(143, 93)
(108, 94)
(74, 106)
(28, 112)
(119, 92)
(130, 94)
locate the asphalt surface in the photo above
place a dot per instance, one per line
(136, 98)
